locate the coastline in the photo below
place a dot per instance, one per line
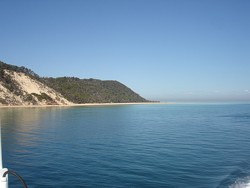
(85, 104)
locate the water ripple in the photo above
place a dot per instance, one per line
(201, 146)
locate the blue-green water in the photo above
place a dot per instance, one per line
(205, 146)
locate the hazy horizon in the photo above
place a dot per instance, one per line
(174, 50)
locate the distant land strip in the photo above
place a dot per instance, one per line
(20, 86)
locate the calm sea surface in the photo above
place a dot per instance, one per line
(175, 146)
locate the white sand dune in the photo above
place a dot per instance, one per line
(27, 86)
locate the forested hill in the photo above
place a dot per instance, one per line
(93, 90)
(21, 86)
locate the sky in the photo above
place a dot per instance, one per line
(167, 50)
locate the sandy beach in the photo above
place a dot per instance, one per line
(86, 104)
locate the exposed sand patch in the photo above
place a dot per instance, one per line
(31, 86)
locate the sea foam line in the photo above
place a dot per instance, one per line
(241, 183)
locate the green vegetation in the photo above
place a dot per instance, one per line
(6, 80)
(3, 101)
(29, 98)
(44, 97)
(74, 89)
(16, 69)
(93, 90)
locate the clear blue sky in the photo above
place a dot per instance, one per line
(168, 50)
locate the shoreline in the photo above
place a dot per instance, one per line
(85, 104)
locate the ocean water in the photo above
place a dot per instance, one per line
(175, 146)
